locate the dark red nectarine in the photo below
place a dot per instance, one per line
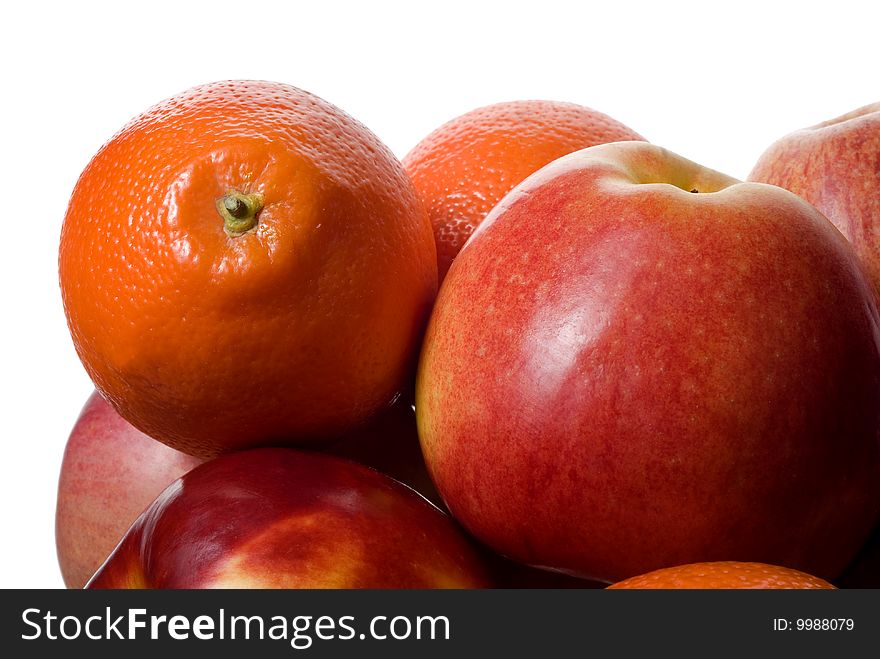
(280, 518)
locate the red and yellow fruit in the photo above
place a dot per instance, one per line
(835, 165)
(279, 518)
(638, 362)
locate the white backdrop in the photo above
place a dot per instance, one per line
(716, 82)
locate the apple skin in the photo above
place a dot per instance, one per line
(620, 375)
(281, 518)
(390, 445)
(110, 473)
(835, 166)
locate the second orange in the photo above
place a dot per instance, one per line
(466, 166)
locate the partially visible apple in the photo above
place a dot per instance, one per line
(638, 362)
(111, 471)
(836, 167)
(281, 518)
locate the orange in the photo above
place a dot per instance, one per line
(724, 575)
(466, 166)
(245, 264)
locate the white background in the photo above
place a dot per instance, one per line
(716, 82)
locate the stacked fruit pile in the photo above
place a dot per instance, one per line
(634, 364)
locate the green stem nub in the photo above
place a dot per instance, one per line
(239, 211)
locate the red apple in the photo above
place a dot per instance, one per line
(280, 518)
(110, 473)
(638, 362)
(836, 167)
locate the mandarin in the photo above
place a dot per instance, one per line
(245, 264)
(724, 575)
(466, 166)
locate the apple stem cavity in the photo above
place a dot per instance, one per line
(239, 211)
